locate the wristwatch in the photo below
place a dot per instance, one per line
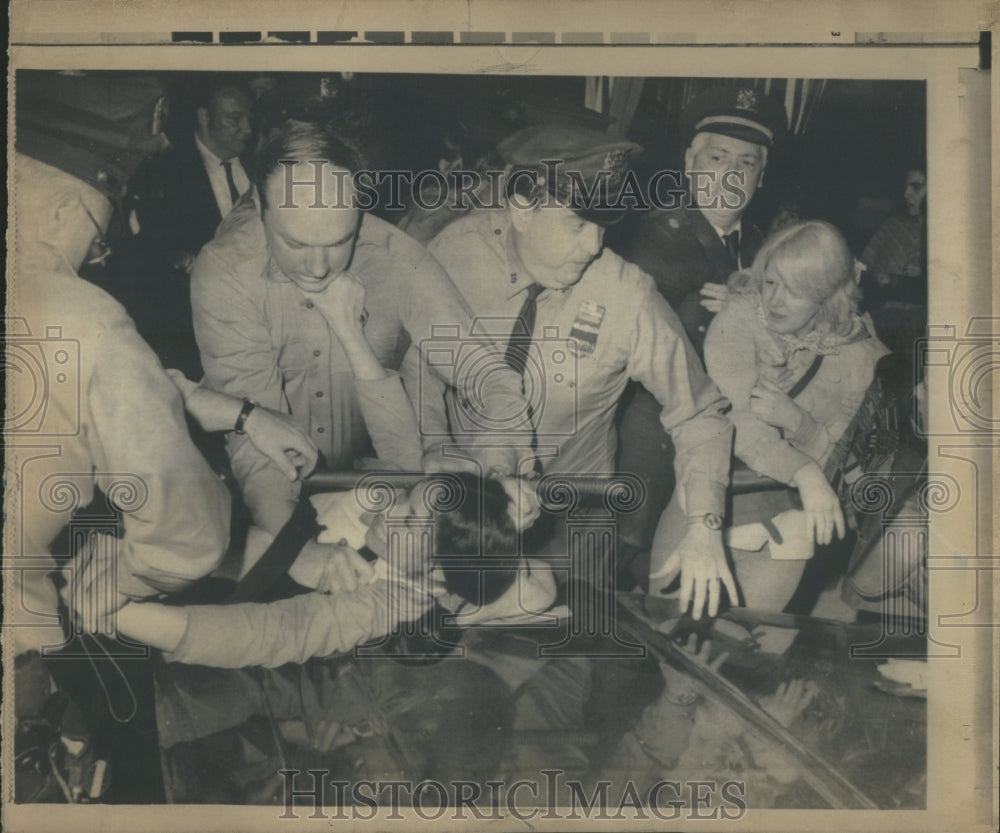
(245, 411)
(712, 520)
(684, 698)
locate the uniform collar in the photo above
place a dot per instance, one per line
(519, 278)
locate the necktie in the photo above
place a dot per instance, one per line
(234, 193)
(732, 241)
(520, 338)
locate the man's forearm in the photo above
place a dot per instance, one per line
(703, 462)
(364, 362)
(214, 411)
(268, 494)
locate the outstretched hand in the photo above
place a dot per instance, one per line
(701, 560)
(789, 700)
(679, 684)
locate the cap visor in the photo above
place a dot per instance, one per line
(737, 131)
(601, 216)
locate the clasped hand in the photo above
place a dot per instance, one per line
(276, 436)
(342, 304)
(775, 407)
(713, 296)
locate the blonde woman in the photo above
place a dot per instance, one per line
(793, 355)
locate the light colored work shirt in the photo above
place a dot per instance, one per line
(262, 337)
(588, 341)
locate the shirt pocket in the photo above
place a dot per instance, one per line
(294, 357)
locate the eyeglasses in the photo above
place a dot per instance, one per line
(100, 251)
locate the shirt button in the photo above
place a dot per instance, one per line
(319, 394)
(316, 352)
(572, 384)
(309, 305)
(497, 231)
(321, 430)
(701, 328)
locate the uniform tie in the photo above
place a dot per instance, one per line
(732, 241)
(234, 193)
(520, 338)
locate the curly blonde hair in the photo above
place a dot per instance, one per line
(816, 263)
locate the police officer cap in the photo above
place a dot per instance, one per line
(98, 127)
(740, 112)
(587, 160)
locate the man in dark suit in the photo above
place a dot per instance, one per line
(691, 250)
(176, 203)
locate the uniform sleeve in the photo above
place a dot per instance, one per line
(289, 630)
(693, 412)
(175, 509)
(239, 360)
(731, 358)
(391, 423)
(433, 305)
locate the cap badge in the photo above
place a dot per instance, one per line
(615, 162)
(746, 100)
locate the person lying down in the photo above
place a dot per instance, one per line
(355, 601)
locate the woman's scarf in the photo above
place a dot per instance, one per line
(827, 344)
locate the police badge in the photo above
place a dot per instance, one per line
(586, 327)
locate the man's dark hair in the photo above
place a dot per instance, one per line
(303, 141)
(460, 537)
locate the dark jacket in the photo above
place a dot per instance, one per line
(681, 251)
(174, 203)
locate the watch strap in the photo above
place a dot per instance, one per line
(245, 411)
(711, 520)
